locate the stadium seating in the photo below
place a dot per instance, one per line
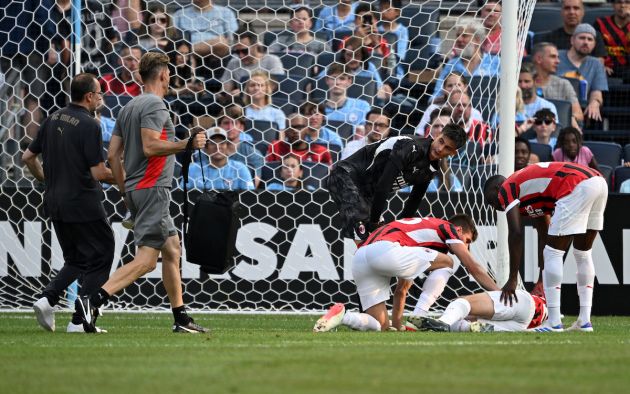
(565, 112)
(606, 153)
(481, 174)
(298, 64)
(422, 22)
(621, 174)
(607, 172)
(626, 153)
(113, 103)
(545, 18)
(263, 132)
(543, 151)
(314, 174)
(345, 130)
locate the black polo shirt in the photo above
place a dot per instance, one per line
(70, 142)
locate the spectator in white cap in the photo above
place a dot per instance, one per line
(219, 172)
(578, 63)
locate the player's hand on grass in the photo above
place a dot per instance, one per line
(508, 293)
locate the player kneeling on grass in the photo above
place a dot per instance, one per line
(373, 267)
(484, 312)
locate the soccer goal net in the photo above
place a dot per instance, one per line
(405, 59)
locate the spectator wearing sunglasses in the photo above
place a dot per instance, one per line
(247, 56)
(544, 127)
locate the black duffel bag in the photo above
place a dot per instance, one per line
(211, 225)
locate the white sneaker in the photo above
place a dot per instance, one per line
(579, 326)
(547, 328)
(477, 326)
(72, 328)
(331, 319)
(45, 314)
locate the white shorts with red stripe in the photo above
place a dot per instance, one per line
(374, 266)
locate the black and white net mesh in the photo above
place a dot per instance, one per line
(290, 256)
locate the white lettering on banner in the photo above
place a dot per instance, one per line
(309, 236)
(27, 256)
(349, 249)
(247, 246)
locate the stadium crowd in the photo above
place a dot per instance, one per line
(282, 106)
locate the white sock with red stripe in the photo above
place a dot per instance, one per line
(431, 289)
(456, 311)
(585, 281)
(552, 280)
(360, 321)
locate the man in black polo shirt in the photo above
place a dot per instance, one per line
(361, 183)
(71, 145)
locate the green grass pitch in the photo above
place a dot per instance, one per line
(280, 354)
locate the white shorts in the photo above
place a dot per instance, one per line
(374, 266)
(581, 210)
(511, 318)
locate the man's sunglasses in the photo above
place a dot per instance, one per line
(538, 122)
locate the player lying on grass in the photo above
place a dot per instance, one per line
(405, 249)
(484, 312)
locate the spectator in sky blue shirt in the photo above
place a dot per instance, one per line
(210, 27)
(340, 107)
(318, 133)
(219, 172)
(471, 62)
(336, 18)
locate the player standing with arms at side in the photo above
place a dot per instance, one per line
(575, 196)
(360, 184)
(145, 133)
(71, 145)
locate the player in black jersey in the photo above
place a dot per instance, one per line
(361, 183)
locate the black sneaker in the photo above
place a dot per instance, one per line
(190, 328)
(87, 312)
(431, 324)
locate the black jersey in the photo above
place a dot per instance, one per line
(392, 164)
(70, 142)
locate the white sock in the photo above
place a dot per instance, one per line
(455, 311)
(360, 322)
(431, 290)
(552, 280)
(460, 326)
(585, 281)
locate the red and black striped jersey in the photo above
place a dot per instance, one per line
(426, 232)
(537, 187)
(617, 41)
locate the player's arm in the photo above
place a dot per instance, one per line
(400, 297)
(152, 145)
(114, 158)
(101, 173)
(515, 242)
(381, 191)
(35, 167)
(474, 268)
(413, 201)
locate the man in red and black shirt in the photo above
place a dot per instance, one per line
(125, 83)
(574, 196)
(405, 249)
(615, 31)
(295, 143)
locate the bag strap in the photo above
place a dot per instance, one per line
(185, 167)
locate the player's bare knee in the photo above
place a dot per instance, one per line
(442, 261)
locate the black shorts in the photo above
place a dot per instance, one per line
(354, 206)
(86, 245)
